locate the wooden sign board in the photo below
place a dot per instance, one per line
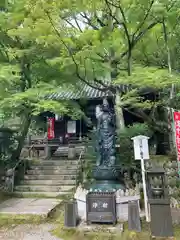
(141, 148)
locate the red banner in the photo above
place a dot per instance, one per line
(51, 122)
(177, 132)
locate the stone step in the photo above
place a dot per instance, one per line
(40, 194)
(19, 207)
(50, 177)
(43, 188)
(64, 157)
(48, 182)
(55, 168)
(52, 172)
(64, 150)
(54, 162)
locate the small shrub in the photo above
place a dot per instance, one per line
(126, 152)
(125, 155)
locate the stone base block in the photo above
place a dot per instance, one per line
(100, 228)
(122, 207)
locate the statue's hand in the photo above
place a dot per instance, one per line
(98, 162)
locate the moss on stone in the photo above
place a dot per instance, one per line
(7, 220)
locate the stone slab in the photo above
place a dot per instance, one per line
(100, 228)
(134, 223)
(126, 199)
(44, 194)
(16, 206)
(29, 232)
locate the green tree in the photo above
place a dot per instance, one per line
(47, 44)
(100, 38)
(26, 77)
(102, 42)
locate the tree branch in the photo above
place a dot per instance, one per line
(142, 33)
(169, 7)
(99, 21)
(110, 87)
(77, 24)
(73, 58)
(167, 46)
(84, 15)
(124, 24)
(145, 17)
(111, 13)
(70, 23)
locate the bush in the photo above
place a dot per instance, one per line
(125, 156)
(84, 176)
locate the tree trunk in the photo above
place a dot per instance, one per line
(119, 112)
(162, 135)
(169, 114)
(25, 127)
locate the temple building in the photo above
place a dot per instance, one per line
(64, 129)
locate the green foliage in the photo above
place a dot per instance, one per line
(151, 77)
(28, 71)
(85, 172)
(7, 145)
(125, 157)
(45, 46)
(28, 68)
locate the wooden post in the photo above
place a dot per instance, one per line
(47, 151)
(141, 152)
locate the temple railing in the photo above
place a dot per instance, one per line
(37, 145)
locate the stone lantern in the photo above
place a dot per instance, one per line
(156, 186)
(159, 204)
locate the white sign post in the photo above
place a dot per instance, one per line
(141, 152)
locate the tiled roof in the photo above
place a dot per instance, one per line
(84, 92)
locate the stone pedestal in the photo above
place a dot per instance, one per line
(121, 205)
(107, 178)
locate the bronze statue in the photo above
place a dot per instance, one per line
(105, 135)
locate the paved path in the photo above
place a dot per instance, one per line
(28, 232)
(23, 206)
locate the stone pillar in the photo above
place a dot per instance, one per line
(71, 152)
(47, 151)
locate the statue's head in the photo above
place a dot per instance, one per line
(105, 105)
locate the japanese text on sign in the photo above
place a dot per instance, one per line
(177, 132)
(103, 205)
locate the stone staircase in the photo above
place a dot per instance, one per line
(50, 178)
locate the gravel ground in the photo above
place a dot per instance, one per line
(28, 232)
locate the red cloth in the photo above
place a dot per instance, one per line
(177, 132)
(51, 122)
